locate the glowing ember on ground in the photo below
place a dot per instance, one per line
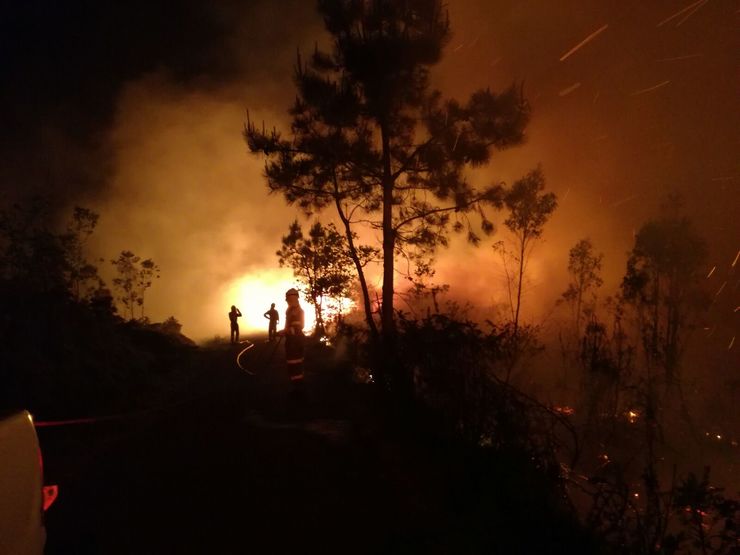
(566, 410)
(632, 416)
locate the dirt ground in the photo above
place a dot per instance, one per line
(248, 465)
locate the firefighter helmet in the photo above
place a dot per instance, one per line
(291, 293)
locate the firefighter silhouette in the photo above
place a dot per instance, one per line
(274, 318)
(293, 333)
(233, 315)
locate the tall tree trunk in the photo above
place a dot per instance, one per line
(319, 326)
(519, 286)
(389, 239)
(360, 272)
(578, 309)
(390, 373)
(656, 318)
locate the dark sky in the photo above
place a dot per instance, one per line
(64, 64)
(136, 108)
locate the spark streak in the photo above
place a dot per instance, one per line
(692, 12)
(731, 343)
(650, 89)
(720, 290)
(676, 58)
(682, 11)
(566, 91)
(735, 261)
(457, 138)
(620, 202)
(585, 41)
(711, 272)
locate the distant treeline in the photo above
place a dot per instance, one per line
(66, 350)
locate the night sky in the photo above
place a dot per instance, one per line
(136, 110)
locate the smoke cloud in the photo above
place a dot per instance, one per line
(184, 190)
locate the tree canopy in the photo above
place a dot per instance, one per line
(529, 209)
(370, 138)
(662, 283)
(320, 261)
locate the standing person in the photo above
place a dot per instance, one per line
(233, 315)
(274, 318)
(293, 332)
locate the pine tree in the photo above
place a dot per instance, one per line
(370, 138)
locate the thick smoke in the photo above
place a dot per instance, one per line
(185, 191)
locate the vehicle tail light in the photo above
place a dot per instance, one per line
(50, 494)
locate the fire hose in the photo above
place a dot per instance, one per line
(142, 412)
(250, 346)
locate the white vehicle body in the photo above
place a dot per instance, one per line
(23, 497)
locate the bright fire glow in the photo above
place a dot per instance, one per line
(253, 293)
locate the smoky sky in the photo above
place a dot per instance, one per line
(136, 109)
(64, 65)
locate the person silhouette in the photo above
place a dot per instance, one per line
(274, 318)
(293, 332)
(233, 315)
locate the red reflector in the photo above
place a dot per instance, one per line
(50, 494)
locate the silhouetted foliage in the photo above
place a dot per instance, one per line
(171, 326)
(710, 522)
(422, 289)
(320, 261)
(662, 284)
(81, 276)
(607, 358)
(36, 256)
(529, 209)
(134, 278)
(455, 365)
(371, 139)
(584, 267)
(691, 516)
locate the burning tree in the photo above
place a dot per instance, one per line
(372, 140)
